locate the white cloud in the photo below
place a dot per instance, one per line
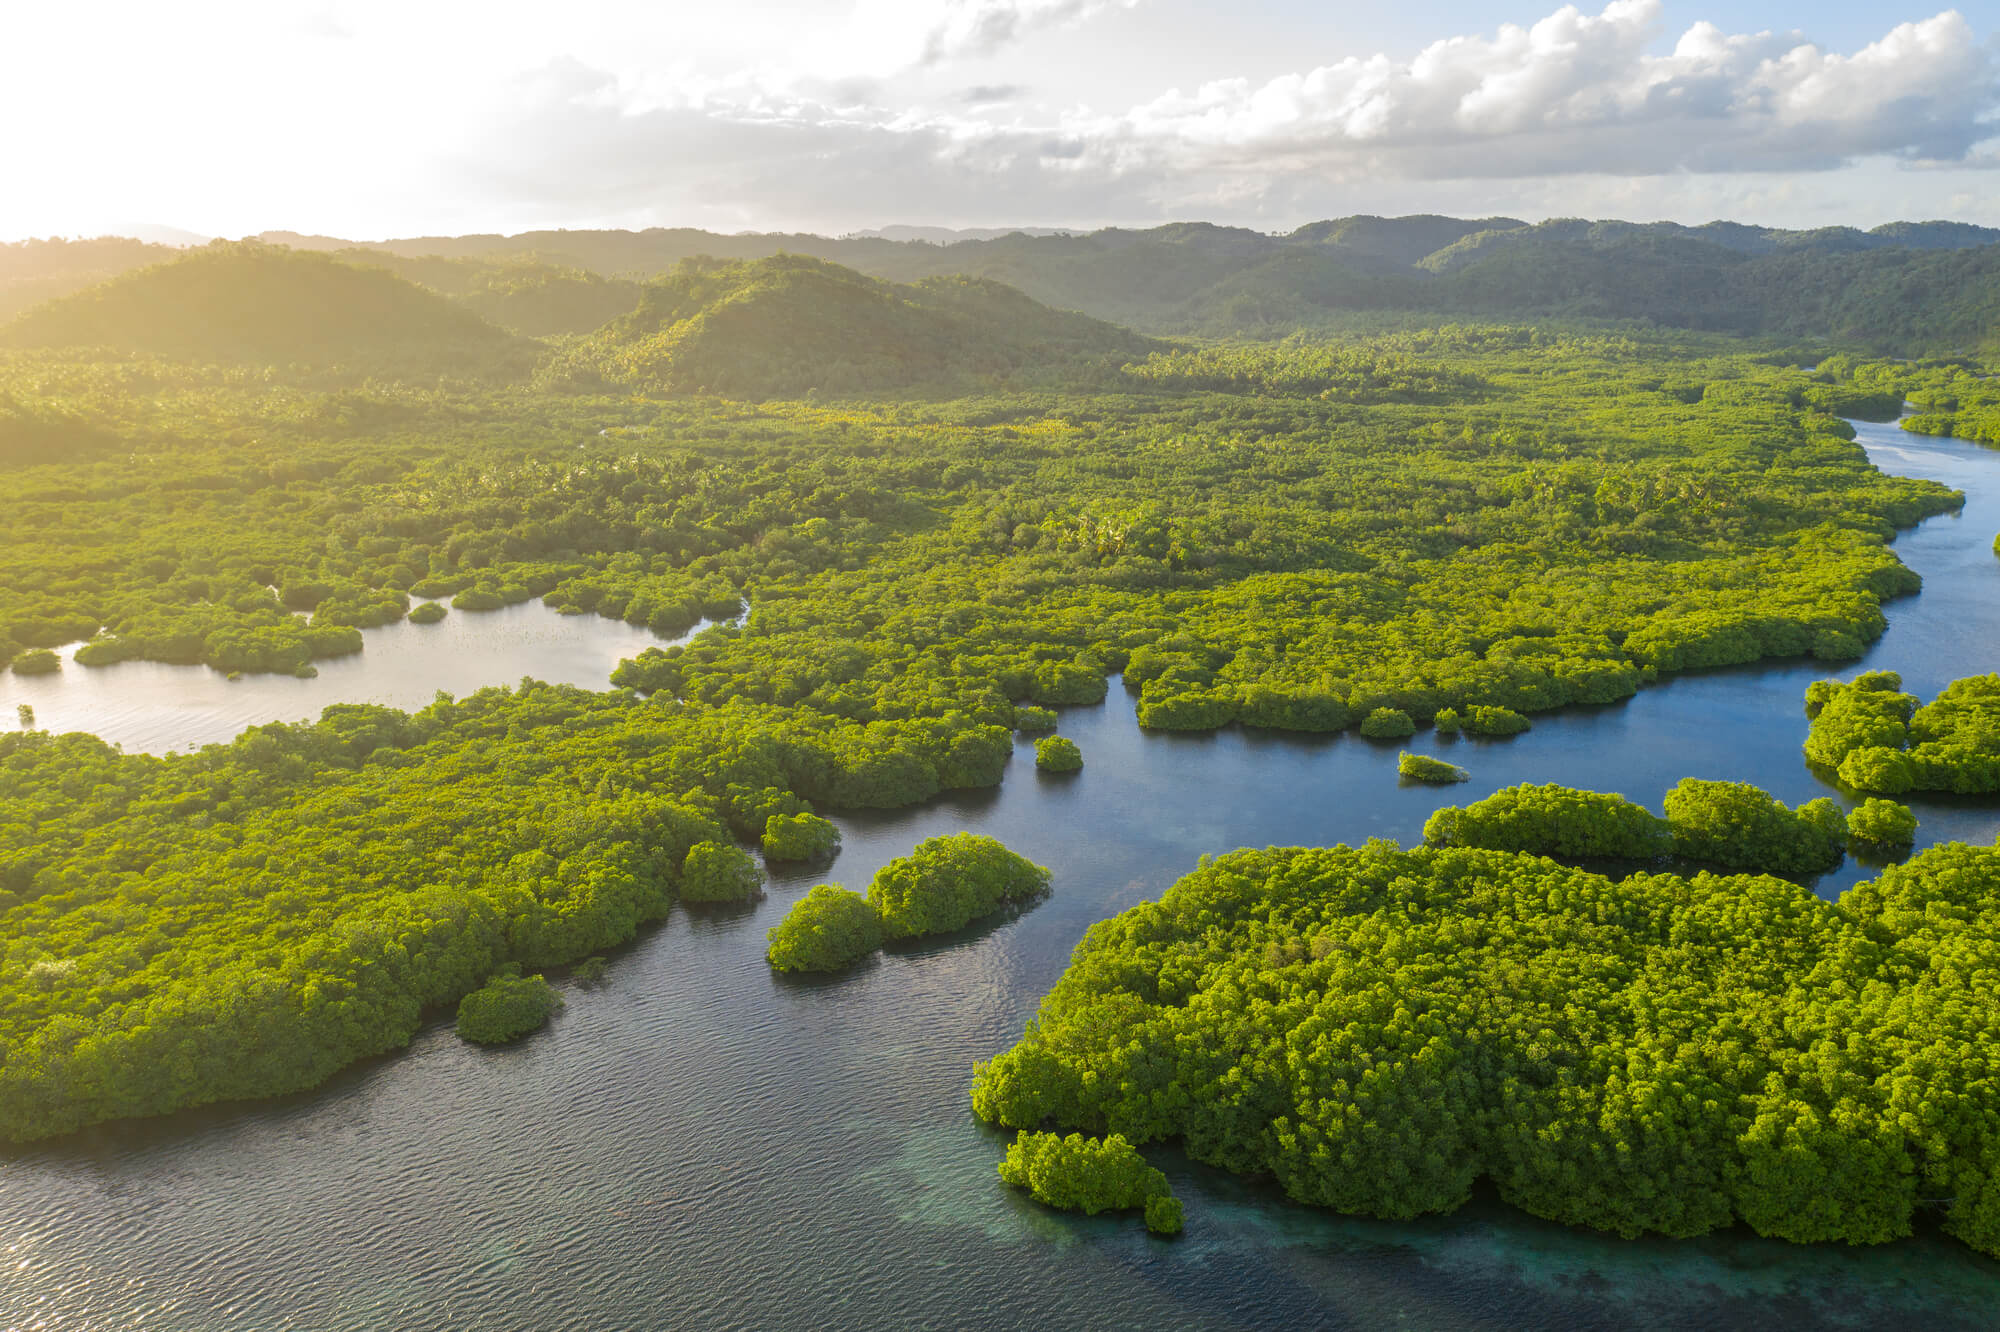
(879, 39)
(375, 117)
(1581, 93)
(1572, 95)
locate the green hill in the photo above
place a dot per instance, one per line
(249, 303)
(783, 326)
(526, 294)
(1393, 242)
(1229, 281)
(33, 271)
(1904, 287)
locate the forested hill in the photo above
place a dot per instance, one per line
(34, 271)
(1835, 282)
(258, 304)
(1904, 288)
(521, 293)
(784, 326)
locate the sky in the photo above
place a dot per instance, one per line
(370, 119)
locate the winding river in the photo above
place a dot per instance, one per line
(697, 1143)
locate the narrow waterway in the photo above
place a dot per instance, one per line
(698, 1143)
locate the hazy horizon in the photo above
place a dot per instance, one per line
(162, 234)
(366, 120)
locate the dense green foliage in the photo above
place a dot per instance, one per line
(1298, 538)
(1388, 724)
(1737, 826)
(829, 929)
(1091, 1175)
(1882, 824)
(800, 837)
(1029, 719)
(1057, 753)
(1554, 820)
(1331, 372)
(1950, 395)
(506, 1008)
(37, 661)
(249, 918)
(786, 326)
(1475, 719)
(1307, 563)
(1877, 738)
(946, 883)
(1423, 768)
(719, 872)
(1726, 824)
(262, 305)
(1379, 1030)
(1481, 720)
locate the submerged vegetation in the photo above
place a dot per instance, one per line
(1379, 1030)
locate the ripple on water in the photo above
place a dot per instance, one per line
(697, 1143)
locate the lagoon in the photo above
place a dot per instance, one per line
(154, 707)
(698, 1143)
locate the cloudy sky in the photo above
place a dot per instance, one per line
(374, 118)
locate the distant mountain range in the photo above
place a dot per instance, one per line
(1906, 286)
(781, 326)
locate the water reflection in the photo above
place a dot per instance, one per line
(151, 706)
(697, 1143)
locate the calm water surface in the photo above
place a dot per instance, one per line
(700, 1144)
(151, 706)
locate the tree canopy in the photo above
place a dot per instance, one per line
(1380, 1029)
(1091, 1175)
(829, 929)
(506, 1008)
(1876, 738)
(948, 882)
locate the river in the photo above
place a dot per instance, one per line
(698, 1143)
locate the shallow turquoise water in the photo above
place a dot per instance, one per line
(700, 1144)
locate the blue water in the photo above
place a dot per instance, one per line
(697, 1143)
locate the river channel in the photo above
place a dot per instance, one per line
(696, 1143)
